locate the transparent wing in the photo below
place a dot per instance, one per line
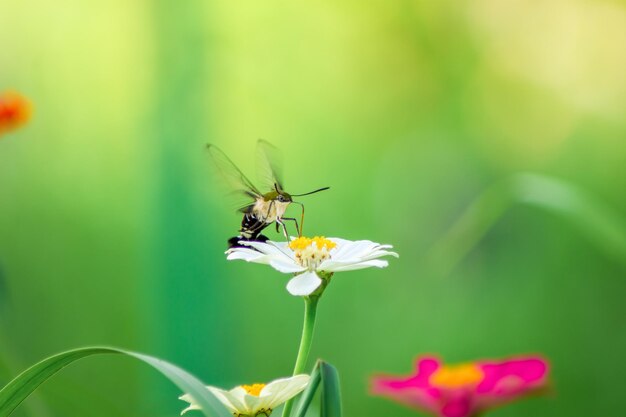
(269, 165)
(238, 187)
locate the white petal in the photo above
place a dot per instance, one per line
(286, 267)
(269, 249)
(224, 397)
(358, 251)
(339, 266)
(192, 404)
(281, 390)
(230, 399)
(379, 254)
(281, 246)
(353, 250)
(269, 254)
(303, 284)
(252, 404)
(343, 248)
(244, 254)
(190, 408)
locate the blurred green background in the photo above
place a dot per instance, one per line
(483, 139)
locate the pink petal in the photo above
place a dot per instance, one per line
(414, 390)
(460, 406)
(510, 379)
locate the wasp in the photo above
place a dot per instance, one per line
(261, 208)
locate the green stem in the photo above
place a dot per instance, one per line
(310, 310)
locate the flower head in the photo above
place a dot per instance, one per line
(256, 399)
(465, 390)
(313, 260)
(15, 110)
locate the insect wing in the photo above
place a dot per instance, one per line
(269, 166)
(239, 187)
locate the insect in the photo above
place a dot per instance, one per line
(261, 208)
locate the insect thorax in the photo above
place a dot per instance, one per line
(268, 211)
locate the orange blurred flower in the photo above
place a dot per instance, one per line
(15, 110)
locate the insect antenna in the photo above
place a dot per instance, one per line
(312, 192)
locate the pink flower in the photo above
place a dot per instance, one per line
(464, 390)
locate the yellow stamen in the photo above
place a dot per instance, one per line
(311, 252)
(454, 376)
(254, 389)
(302, 243)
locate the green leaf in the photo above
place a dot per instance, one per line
(24, 384)
(326, 375)
(331, 391)
(309, 392)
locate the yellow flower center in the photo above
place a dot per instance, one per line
(311, 252)
(454, 376)
(254, 389)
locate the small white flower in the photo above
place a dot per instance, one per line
(308, 258)
(256, 399)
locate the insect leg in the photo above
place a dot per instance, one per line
(301, 221)
(269, 210)
(279, 221)
(295, 222)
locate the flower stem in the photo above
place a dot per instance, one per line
(310, 310)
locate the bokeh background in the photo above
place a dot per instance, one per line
(484, 139)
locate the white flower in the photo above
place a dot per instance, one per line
(256, 399)
(308, 258)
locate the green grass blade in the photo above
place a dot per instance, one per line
(24, 384)
(307, 395)
(331, 391)
(599, 222)
(326, 375)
